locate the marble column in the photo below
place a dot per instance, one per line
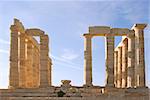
(139, 53)
(22, 69)
(119, 67)
(88, 60)
(115, 67)
(44, 61)
(34, 57)
(109, 51)
(124, 62)
(29, 64)
(50, 72)
(131, 60)
(14, 74)
(36, 67)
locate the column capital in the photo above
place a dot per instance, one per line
(131, 34)
(138, 26)
(87, 35)
(14, 29)
(110, 34)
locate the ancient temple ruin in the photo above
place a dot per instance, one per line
(125, 64)
(30, 67)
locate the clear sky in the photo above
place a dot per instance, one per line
(65, 22)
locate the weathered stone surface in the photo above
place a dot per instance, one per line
(139, 54)
(120, 31)
(26, 57)
(88, 60)
(124, 62)
(99, 30)
(109, 52)
(30, 67)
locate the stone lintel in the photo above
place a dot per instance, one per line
(34, 32)
(34, 41)
(99, 29)
(139, 26)
(120, 31)
(92, 35)
(104, 30)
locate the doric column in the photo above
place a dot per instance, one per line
(139, 52)
(109, 51)
(88, 60)
(14, 74)
(29, 65)
(115, 67)
(38, 67)
(131, 60)
(119, 67)
(22, 69)
(35, 67)
(44, 61)
(124, 62)
(50, 72)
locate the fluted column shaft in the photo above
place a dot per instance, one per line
(29, 65)
(139, 52)
(124, 62)
(115, 67)
(131, 60)
(88, 60)
(22, 69)
(119, 67)
(50, 72)
(109, 51)
(14, 74)
(44, 61)
(36, 67)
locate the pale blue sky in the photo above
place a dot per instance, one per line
(65, 22)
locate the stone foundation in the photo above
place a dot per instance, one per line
(75, 93)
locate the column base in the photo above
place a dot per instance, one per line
(110, 89)
(44, 86)
(88, 85)
(140, 87)
(12, 87)
(110, 85)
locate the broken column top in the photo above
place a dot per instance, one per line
(139, 26)
(19, 25)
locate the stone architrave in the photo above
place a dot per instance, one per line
(109, 51)
(124, 62)
(44, 61)
(88, 60)
(139, 54)
(14, 74)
